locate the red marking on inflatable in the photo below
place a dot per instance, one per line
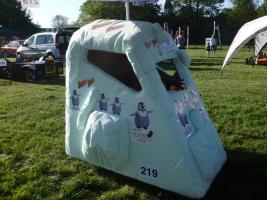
(112, 28)
(84, 82)
(150, 43)
(96, 26)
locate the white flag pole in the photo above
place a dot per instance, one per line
(127, 8)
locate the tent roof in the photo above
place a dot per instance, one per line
(245, 33)
(260, 42)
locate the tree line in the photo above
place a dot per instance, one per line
(13, 16)
(199, 15)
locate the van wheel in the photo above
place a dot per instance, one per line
(30, 75)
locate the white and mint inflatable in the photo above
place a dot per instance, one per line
(128, 120)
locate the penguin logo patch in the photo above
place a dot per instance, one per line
(182, 118)
(116, 106)
(75, 100)
(196, 104)
(141, 121)
(103, 103)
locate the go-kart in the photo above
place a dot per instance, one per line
(30, 70)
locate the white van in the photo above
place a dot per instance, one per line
(53, 44)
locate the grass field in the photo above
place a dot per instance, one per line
(33, 163)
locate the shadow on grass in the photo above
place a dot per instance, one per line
(52, 80)
(206, 62)
(204, 69)
(243, 176)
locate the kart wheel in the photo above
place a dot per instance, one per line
(5, 54)
(19, 58)
(59, 70)
(30, 75)
(5, 74)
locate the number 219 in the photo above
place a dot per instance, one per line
(149, 172)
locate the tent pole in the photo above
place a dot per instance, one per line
(187, 34)
(214, 27)
(127, 9)
(219, 35)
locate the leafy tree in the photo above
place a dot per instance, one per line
(262, 9)
(92, 10)
(145, 11)
(168, 7)
(242, 12)
(204, 7)
(59, 21)
(231, 19)
(12, 15)
(197, 14)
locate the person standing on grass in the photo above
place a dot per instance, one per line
(180, 40)
(207, 48)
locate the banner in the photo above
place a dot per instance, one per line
(30, 3)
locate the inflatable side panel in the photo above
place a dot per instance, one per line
(164, 138)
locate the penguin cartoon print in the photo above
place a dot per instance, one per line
(142, 116)
(197, 105)
(195, 100)
(186, 101)
(103, 103)
(180, 111)
(75, 99)
(116, 106)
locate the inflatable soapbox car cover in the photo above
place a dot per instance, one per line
(126, 113)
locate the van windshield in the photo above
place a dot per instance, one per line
(29, 41)
(170, 77)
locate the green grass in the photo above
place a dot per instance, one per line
(33, 163)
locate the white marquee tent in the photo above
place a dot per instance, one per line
(247, 32)
(260, 41)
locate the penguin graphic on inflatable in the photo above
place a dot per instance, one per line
(180, 111)
(142, 116)
(116, 106)
(197, 104)
(103, 103)
(75, 99)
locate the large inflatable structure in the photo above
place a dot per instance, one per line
(133, 108)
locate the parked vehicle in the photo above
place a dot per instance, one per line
(3, 68)
(30, 71)
(53, 44)
(10, 49)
